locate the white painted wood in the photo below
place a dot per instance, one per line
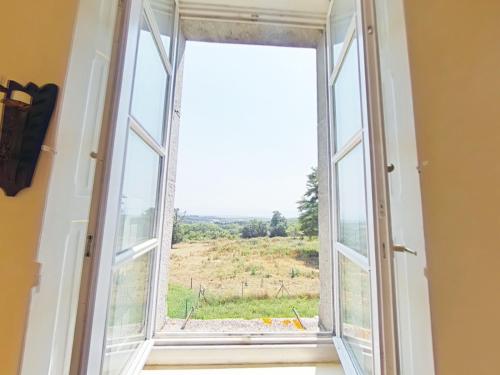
(106, 262)
(377, 262)
(137, 364)
(342, 54)
(413, 310)
(318, 369)
(53, 307)
(301, 13)
(386, 355)
(304, 6)
(93, 347)
(268, 338)
(344, 357)
(242, 354)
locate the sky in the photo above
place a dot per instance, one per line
(248, 129)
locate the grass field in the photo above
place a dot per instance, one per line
(181, 299)
(242, 278)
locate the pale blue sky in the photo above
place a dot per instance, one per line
(248, 129)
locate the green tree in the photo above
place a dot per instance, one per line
(308, 206)
(278, 226)
(177, 232)
(254, 228)
(294, 229)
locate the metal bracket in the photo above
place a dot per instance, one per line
(403, 249)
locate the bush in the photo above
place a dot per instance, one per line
(253, 229)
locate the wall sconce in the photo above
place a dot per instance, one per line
(26, 116)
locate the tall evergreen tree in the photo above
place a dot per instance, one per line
(308, 206)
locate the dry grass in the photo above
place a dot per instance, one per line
(225, 267)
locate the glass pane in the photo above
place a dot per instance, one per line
(163, 11)
(126, 322)
(352, 230)
(355, 302)
(139, 194)
(150, 85)
(340, 18)
(347, 107)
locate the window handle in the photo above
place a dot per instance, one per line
(403, 249)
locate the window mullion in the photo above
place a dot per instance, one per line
(135, 252)
(351, 31)
(355, 140)
(354, 256)
(157, 37)
(145, 136)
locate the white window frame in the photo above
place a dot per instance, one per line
(226, 339)
(384, 342)
(65, 322)
(107, 265)
(161, 341)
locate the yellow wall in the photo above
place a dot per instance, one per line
(35, 38)
(455, 63)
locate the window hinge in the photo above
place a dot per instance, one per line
(37, 275)
(88, 245)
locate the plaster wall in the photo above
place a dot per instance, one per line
(35, 39)
(454, 58)
(454, 62)
(324, 219)
(161, 306)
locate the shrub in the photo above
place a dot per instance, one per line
(254, 228)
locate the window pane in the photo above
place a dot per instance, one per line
(352, 230)
(150, 85)
(126, 322)
(356, 328)
(139, 194)
(340, 18)
(163, 11)
(347, 107)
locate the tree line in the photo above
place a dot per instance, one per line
(278, 226)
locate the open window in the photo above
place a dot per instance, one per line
(129, 285)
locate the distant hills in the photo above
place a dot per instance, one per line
(194, 219)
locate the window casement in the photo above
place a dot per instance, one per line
(357, 305)
(101, 126)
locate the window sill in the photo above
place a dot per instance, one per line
(308, 369)
(168, 353)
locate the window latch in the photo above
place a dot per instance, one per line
(403, 249)
(88, 245)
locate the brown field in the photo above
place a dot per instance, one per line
(254, 267)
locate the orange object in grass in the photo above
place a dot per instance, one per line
(267, 321)
(297, 324)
